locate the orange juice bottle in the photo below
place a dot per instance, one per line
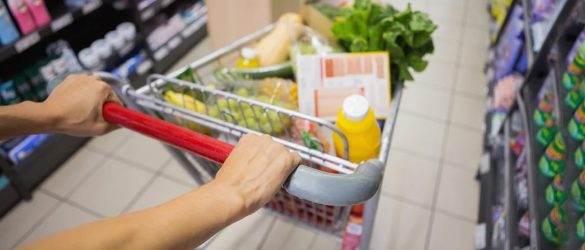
(357, 122)
(248, 59)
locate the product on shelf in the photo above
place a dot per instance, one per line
(505, 91)
(91, 60)
(8, 93)
(524, 225)
(553, 226)
(128, 31)
(573, 77)
(25, 147)
(552, 161)
(509, 50)
(22, 15)
(578, 192)
(8, 32)
(580, 157)
(39, 12)
(546, 134)
(499, 225)
(576, 126)
(168, 29)
(580, 228)
(76, 3)
(555, 193)
(517, 144)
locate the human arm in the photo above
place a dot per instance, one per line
(249, 178)
(73, 108)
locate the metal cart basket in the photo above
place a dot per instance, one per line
(202, 134)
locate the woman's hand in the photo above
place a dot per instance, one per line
(76, 106)
(256, 170)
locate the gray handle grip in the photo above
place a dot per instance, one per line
(336, 189)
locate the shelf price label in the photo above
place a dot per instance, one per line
(161, 53)
(27, 42)
(174, 43)
(148, 13)
(166, 3)
(91, 6)
(61, 22)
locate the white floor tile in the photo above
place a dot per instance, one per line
(474, 56)
(160, 191)
(468, 111)
(176, 171)
(69, 175)
(144, 151)
(474, 36)
(426, 100)
(325, 242)
(111, 141)
(463, 147)
(279, 234)
(442, 10)
(410, 177)
(244, 234)
(399, 225)
(419, 135)
(300, 238)
(111, 188)
(449, 33)
(471, 81)
(445, 51)
(477, 19)
(458, 192)
(450, 233)
(438, 73)
(22, 218)
(63, 218)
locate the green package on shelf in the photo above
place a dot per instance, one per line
(545, 135)
(543, 118)
(552, 161)
(573, 99)
(576, 126)
(569, 80)
(578, 192)
(553, 226)
(577, 66)
(580, 157)
(580, 228)
(555, 193)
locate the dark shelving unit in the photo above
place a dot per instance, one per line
(510, 194)
(57, 24)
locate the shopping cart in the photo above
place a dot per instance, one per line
(317, 199)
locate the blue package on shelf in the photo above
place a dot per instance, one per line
(511, 45)
(3, 182)
(8, 93)
(128, 67)
(26, 147)
(9, 144)
(8, 31)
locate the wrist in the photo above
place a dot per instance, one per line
(45, 118)
(234, 199)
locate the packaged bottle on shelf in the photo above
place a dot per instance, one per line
(577, 65)
(91, 60)
(580, 228)
(128, 31)
(553, 226)
(39, 12)
(102, 49)
(22, 15)
(8, 93)
(578, 192)
(8, 32)
(555, 193)
(576, 126)
(546, 134)
(552, 161)
(580, 157)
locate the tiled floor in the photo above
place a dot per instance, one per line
(429, 197)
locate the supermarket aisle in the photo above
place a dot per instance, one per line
(429, 197)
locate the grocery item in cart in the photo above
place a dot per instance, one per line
(555, 192)
(248, 59)
(552, 161)
(553, 226)
(356, 120)
(274, 47)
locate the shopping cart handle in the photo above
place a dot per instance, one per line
(304, 182)
(336, 189)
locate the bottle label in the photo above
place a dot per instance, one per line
(579, 158)
(581, 229)
(573, 99)
(575, 130)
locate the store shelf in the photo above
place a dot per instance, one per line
(149, 11)
(9, 198)
(537, 183)
(42, 33)
(165, 56)
(510, 196)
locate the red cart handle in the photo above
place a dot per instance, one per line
(172, 134)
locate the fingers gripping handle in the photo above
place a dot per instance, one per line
(304, 182)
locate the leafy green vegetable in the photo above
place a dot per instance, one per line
(406, 34)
